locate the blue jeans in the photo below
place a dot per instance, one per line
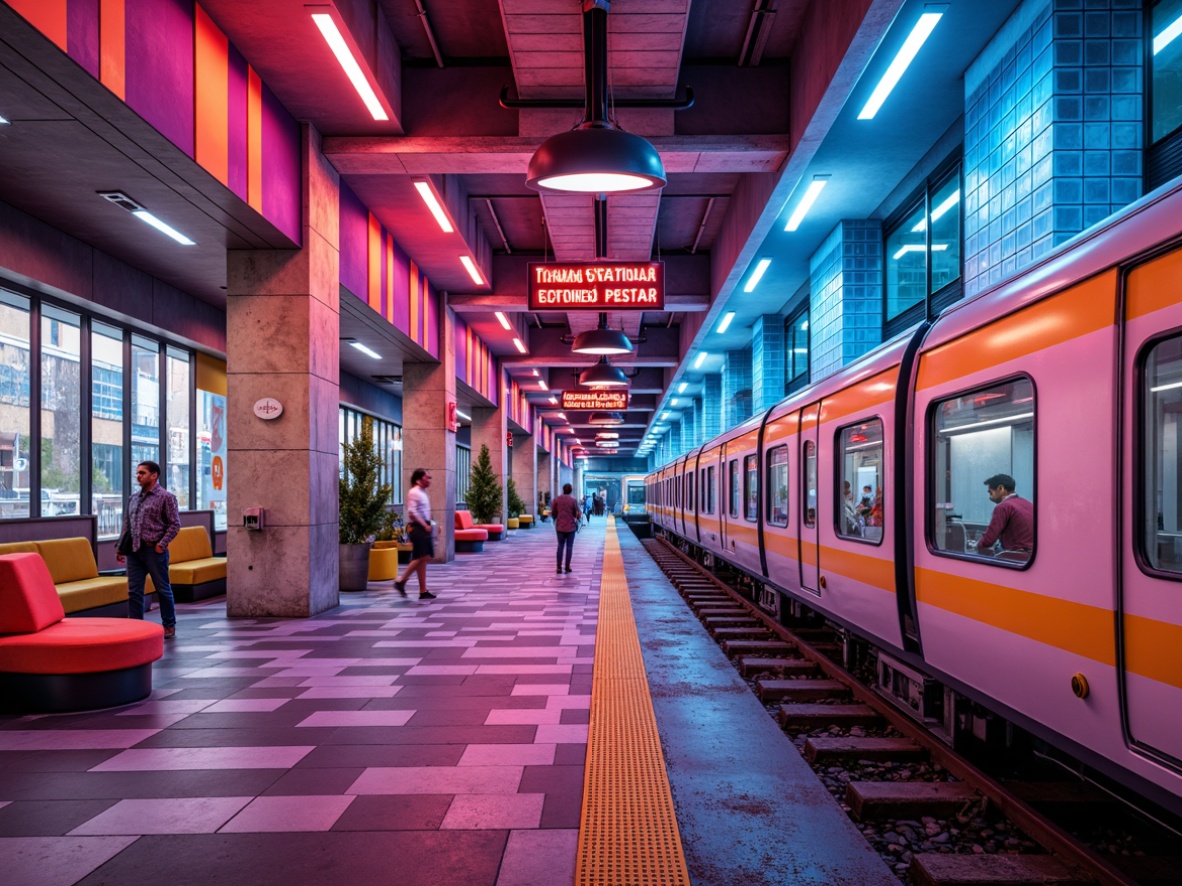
(565, 540)
(146, 562)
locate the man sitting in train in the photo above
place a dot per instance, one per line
(1013, 519)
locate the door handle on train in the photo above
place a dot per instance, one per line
(821, 582)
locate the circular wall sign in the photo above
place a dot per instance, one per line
(268, 408)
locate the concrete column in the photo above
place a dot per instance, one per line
(525, 473)
(427, 388)
(699, 422)
(545, 473)
(711, 406)
(282, 341)
(689, 430)
(736, 388)
(577, 481)
(767, 362)
(845, 296)
(489, 426)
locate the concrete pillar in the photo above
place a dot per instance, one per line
(688, 429)
(845, 296)
(489, 427)
(699, 422)
(736, 388)
(428, 443)
(711, 406)
(282, 341)
(525, 473)
(545, 473)
(767, 362)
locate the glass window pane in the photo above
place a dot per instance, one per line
(15, 385)
(145, 401)
(986, 435)
(751, 469)
(1162, 541)
(108, 466)
(777, 486)
(906, 258)
(211, 456)
(861, 459)
(810, 484)
(712, 491)
(179, 434)
(796, 357)
(61, 412)
(734, 489)
(1166, 55)
(945, 222)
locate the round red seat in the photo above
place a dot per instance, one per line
(82, 646)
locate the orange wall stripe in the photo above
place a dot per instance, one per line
(1080, 310)
(865, 397)
(254, 140)
(426, 315)
(878, 572)
(809, 417)
(112, 49)
(374, 273)
(1153, 649)
(390, 285)
(1154, 286)
(1074, 627)
(47, 16)
(211, 77)
(414, 303)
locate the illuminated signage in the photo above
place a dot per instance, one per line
(610, 401)
(597, 286)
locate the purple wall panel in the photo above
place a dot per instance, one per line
(236, 124)
(159, 51)
(432, 320)
(82, 34)
(401, 289)
(282, 172)
(461, 345)
(354, 244)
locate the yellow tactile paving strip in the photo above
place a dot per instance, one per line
(628, 834)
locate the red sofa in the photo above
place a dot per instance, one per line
(495, 531)
(49, 663)
(469, 537)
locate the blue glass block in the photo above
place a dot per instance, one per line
(1097, 107)
(1009, 265)
(1126, 190)
(1126, 107)
(1022, 186)
(995, 274)
(1126, 80)
(1096, 190)
(1126, 135)
(1043, 143)
(1067, 52)
(1126, 24)
(1068, 24)
(1041, 224)
(1025, 207)
(1097, 80)
(1023, 236)
(1008, 244)
(994, 253)
(1096, 52)
(1096, 24)
(1067, 4)
(1022, 61)
(1068, 80)
(1041, 38)
(1097, 135)
(1042, 89)
(1068, 190)
(1093, 215)
(1095, 163)
(1068, 219)
(1040, 119)
(1041, 172)
(1025, 256)
(1067, 163)
(1068, 108)
(1068, 136)
(1025, 106)
(1041, 247)
(1126, 52)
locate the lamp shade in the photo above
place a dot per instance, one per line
(606, 419)
(603, 375)
(602, 341)
(607, 444)
(595, 158)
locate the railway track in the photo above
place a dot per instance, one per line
(887, 770)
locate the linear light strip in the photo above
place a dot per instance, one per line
(473, 271)
(730, 315)
(145, 216)
(938, 211)
(806, 202)
(757, 275)
(701, 357)
(517, 343)
(369, 352)
(910, 48)
(428, 194)
(1168, 36)
(1011, 419)
(503, 320)
(918, 247)
(353, 71)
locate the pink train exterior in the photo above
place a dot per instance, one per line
(1085, 605)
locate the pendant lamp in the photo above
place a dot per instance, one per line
(601, 340)
(603, 375)
(606, 419)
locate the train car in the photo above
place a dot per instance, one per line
(866, 498)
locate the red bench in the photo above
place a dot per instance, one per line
(468, 537)
(49, 663)
(495, 531)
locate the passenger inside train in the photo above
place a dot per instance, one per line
(1012, 524)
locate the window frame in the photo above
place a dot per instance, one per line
(1162, 157)
(1140, 463)
(750, 468)
(804, 482)
(839, 467)
(768, 487)
(734, 488)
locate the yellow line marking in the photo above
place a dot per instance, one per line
(628, 833)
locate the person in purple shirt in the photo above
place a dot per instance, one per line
(152, 517)
(1013, 518)
(566, 513)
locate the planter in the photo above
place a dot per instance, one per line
(354, 565)
(403, 549)
(513, 523)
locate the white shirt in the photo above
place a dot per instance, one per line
(418, 506)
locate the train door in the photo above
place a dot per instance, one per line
(1151, 580)
(807, 513)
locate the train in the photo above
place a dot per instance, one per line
(866, 497)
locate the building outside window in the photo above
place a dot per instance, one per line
(107, 490)
(180, 386)
(796, 350)
(145, 401)
(463, 472)
(61, 411)
(15, 387)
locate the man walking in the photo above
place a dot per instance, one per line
(418, 526)
(153, 519)
(565, 510)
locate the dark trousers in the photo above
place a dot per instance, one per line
(565, 540)
(140, 564)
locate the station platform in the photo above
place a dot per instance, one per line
(522, 728)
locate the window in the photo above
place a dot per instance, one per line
(1166, 68)
(751, 470)
(463, 472)
(930, 226)
(734, 487)
(796, 350)
(860, 458)
(976, 437)
(108, 489)
(777, 486)
(211, 491)
(180, 385)
(350, 426)
(61, 411)
(711, 493)
(15, 385)
(145, 401)
(1162, 453)
(809, 487)
(689, 482)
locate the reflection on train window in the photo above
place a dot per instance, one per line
(1166, 112)
(751, 469)
(1162, 495)
(689, 478)
(777, 486)
(860, 510)
(809, 487)
(980, 436)
(734, 487)
(711, 494)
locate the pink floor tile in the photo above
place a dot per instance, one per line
(184, 706)
(493, 812)
(176, 759)
(239, 705)
(442, 670)
(580, 702)
(508, 755)
(56, 861)
(539, 858)
(524, 669)
(357, 718)
(72, 739)
(354, 680)
(522, 717)
(501, 780)
(171, 815)
(561, 734)
(541, 689)
(516, 652)
(285, 814)
(350, 692)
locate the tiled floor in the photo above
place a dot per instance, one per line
(387, 741)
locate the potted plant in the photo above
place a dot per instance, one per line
(393, 535)
(517, 505)
(362, 499)
(483, 495)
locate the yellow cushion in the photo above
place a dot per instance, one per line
(383, 564)
(68, 559)
(88, 593)
(196, 572)
(525, 518)
(191, 543)
(514, 523)
(19, 547)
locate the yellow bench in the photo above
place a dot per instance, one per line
(526, 521)
(193, 571)
(76, 577)
(384, 558)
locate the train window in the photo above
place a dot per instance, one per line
(981, 503)
(777, 486)
(689, 479)
(860, 511)
(1166, 111)
(734, 487)
(1162, 448)
(809, 487)
(751, 470)
(711, 491)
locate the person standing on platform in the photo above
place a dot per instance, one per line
(586, 506)
(565, 510)
(419, 525)
(153, 520)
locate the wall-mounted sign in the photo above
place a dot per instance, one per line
(453, 421)
(509, 439)
(268, 408)
(607, 401)
(597, 286)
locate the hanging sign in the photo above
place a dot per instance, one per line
(453, 422)
(608, 401)
(509, 439)
(597, 286)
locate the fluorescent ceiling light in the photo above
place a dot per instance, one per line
(473, 271)
(463, 416)
(517, 343)
(542, 384)
(664, 415)
(367, 351)
(673, 402)
(908, 51)
(1008, 419)
(561, 415)
(806, 202)
(756, 276)
(353, 70)
(503, 320)
(730, 315)
(428, 194)
(702, 356)
(553, 401)
(534, 373)
(938, 211)
(681, 387)
(918, 247)
(1168, 36)
(1169, 387)
(4, 121)
(145, 216)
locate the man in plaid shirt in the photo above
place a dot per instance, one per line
(152, 517)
